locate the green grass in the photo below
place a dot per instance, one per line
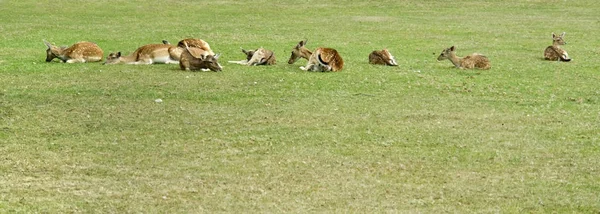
(522, 137)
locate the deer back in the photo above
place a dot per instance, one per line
(382, 57)
(78, 52)
(329, 57)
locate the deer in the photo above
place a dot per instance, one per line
(147, 54)
(322, 59)
(300, 51)
(194, 58)
(555, 52)
(79, 52)
(259, 56)
(382, 57)
(474, 60)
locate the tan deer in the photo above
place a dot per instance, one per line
(322, 59)
(300, 51)
(469, 62)
(555, 52)
(196, 43)
(259, 56)
(78, 52)
(382, 57)
(194, 58)
(147, 54)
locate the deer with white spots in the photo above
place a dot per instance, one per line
(322, 59)
(78, 52)
(468, 62)
(555, 52)
(147, 54)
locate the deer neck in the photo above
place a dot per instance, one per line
(60, 52)
(555, 44)
(128, 59)
(455, 60)
(305, 53)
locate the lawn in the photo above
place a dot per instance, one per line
(423, 137)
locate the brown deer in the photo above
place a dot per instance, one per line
(259, 56)
(299, 52)
(194, 58)
(195, 43)
(469, 62)
(322, 59)
(78, 52)
(555, 52)
(147, 54)
(382, 57)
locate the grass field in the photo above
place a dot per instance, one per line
(423, 137)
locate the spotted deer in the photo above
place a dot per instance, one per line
(259, 56)
(78, 52)
(555, 52)
(147, 54)
(194, 58)
(468, 62)
(322, 59)
(382, 57)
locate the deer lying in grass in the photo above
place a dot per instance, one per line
(78, 52)
(299, 52)
(196, 43)
(469, 62)
(555, 52)
(259, 56)
(382, 57)
(322, 59)
(194, 58)
(147, 54)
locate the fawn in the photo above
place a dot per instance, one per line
(78, 52)
(555, 52)
(382, 57)
(472, 61)
(322, 59)
(259, 56)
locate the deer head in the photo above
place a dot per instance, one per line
(299, 52)
(249, 54)
(52, 51)
(211, 62)
(113, 58)
(447, 53)
(558, 40)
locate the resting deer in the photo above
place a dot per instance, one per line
(382, 57)
(299, 52)
(147, 54)
(472, 61)
(78, 52)
(322, 59)
(259, 56)
(555, 52)
(196, 43)
(198, 59)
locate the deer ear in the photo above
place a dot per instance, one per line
(47, 43)
(553, 35)
(119, 54)
(563, 34)
(217, 56)
(452, 48)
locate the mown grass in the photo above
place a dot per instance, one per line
(421, 137)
